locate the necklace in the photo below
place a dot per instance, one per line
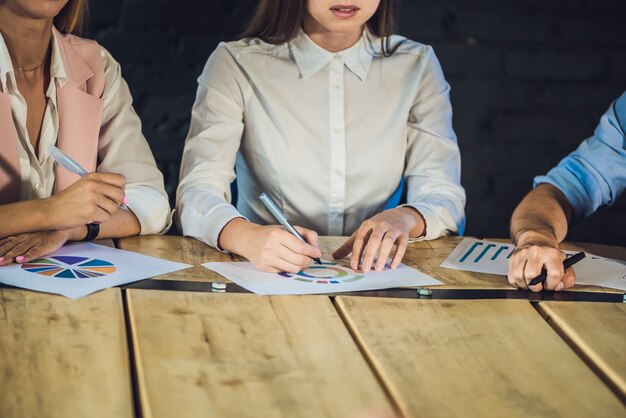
(25, 70)
(22, 69)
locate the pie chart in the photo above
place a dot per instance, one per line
(325, 273)
(69, 267)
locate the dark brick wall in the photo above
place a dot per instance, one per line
(530, 79)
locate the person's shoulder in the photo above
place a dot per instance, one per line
(251, 46)
(78, 41)
(399, 46)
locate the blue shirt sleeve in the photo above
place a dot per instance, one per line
(595, 174)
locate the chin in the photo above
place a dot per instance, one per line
(344, 27)
(39, 9)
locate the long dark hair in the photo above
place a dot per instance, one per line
(278, 21)
(71, 19)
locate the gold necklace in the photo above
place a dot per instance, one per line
(45, 58)
(22, 69)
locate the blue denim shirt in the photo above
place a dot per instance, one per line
(595, 174)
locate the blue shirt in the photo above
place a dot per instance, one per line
(595, 174)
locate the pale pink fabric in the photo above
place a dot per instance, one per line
(79, 106)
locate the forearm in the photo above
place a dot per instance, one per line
(22, 217)
(542, 216)
(230, 238)
(123, 223)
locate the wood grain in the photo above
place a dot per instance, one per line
(229, 355)
(182, 250)
(474, 359)
(597, 331)
(63, 358)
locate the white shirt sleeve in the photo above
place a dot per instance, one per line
(124, 150)
(208, 163)
(433, 161)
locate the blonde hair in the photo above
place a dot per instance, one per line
(71, 19)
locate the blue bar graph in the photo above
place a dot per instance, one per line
(487, 248)
(467, 254)
(497, 253)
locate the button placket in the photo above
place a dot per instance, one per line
(337, 146)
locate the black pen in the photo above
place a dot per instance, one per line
(567, 263)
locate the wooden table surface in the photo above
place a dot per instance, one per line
(425, 256)
(200, 354)
(63, 358)
(474, 358)
(597, 332)
(226, 355)
(182, 250)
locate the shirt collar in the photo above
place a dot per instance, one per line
(57, 68)
(311, 57)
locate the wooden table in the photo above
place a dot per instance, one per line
(474, 358)
(425, 256)
(227, 355)
(63, 358)
(597, 332)
(198, 354)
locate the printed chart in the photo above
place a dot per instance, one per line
(328, 277)
(493, 257)
(70, 267)
(79, 269)
(480, 256)
(325, 273)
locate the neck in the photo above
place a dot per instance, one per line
(330, 41)
(27, 39)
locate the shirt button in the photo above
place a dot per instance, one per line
(38, 186)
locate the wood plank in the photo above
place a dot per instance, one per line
(200, 354)
(474, 358)
(597, 331)
(180, 249)
(63, 358)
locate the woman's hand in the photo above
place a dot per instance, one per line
(92, 199)
(271, 249)
(23, 248)
(375, 238)
(531, 256)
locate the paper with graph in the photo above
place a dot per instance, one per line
(493, 257)
(328, 277)
(480, 256)
(79, 269)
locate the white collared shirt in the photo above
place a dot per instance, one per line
(121, 149)
(327, 135)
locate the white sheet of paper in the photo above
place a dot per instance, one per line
(483, 256)
(480, 256)
(329, 277)
(77, 270)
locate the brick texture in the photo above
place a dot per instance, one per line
(530, 79)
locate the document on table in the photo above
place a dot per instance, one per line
(328, 277)
(77, 270)
(483, 256)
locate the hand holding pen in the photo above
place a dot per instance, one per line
(92, 199)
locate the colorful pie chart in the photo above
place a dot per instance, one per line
(69, 267)
(325, 273)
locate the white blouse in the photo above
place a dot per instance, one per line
(328, 135)
(122, 148)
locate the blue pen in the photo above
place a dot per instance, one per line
(282, 219)
(70, 165)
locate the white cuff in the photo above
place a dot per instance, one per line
(151, 208)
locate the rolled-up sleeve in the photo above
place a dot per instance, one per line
(124, 150)
(208, 163)
(433, 161)
(594, 174)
